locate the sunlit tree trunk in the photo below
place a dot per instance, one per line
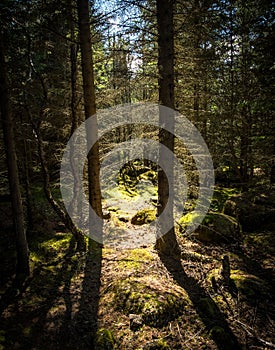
(89, 105)
(166, 244)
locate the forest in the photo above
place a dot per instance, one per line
(137, 174)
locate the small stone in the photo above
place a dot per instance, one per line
(136, 322)
(106, 215)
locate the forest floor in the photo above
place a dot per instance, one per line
(115, 298)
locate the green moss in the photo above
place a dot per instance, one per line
(145, 216)
(59, 242)
(249, 285)
(104, 340)
(120, 192)
(157, 306)
(149, 175)
(43, 248)
(27, 331)
(214, 227)
(114, 209)
(135, 258)
(2, 336)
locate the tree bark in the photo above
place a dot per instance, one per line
(90, 105)
(166, 244)
(22, 266)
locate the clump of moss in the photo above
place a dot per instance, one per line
(134, 258)
(147, 297)
(104, 340)
(44, 247)
(150, 175)
(145, 216)
(190, 219)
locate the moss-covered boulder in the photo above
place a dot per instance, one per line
(250, 287)
(214, 227)
(145, 216)
(155, 301)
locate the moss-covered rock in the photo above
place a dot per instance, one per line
(214, 227)
(156, 302)
(145, 216)
(104, 340)
(249, 286)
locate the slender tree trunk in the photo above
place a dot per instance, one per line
(167, 244)
(29, 202)
(90, 105)
(9, 140)
(74, 48)
(73, 62)
(64, 216)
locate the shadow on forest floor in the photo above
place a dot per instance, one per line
(41, 312)
(85, 321)
(205, 306)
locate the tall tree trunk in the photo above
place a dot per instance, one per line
(166, 244)
(90, 105)
(73, 62)
(74, 49)
(9, 140)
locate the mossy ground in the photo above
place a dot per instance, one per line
(83, 301)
